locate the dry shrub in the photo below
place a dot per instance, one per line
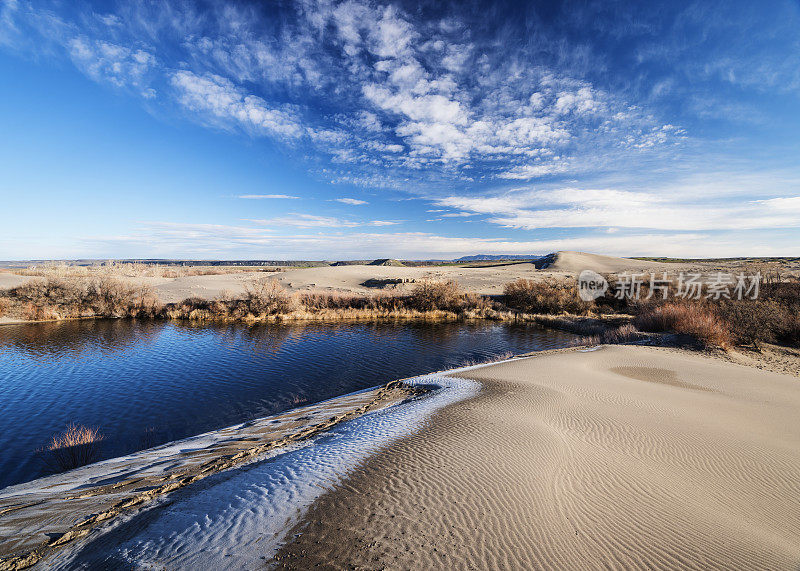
(429, 295)
(56, 298)
(551, 296)
(76, 446)
(699, 320)
(316, 300)
(768, 321)
(4, 305)
(33, 312)
(267, 297)
(146, 302)
(110, 297)
(623, 334)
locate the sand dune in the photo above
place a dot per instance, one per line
(350, 278)
(623, 457)
(576, 262)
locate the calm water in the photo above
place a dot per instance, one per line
(145, 383)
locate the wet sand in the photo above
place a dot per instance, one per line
(623, 457)
(43, 515)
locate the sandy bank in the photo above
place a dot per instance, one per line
(623, 457)
(38, 517)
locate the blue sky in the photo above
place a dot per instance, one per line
(332, 130)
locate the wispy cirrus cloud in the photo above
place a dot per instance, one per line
(409, 96)
(677, 207)
(525, 121)
(219, 241)
(298, 220)
(351, 201)
(268, 197)
(225, 103)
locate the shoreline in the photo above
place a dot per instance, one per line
(620, 456)
(69, 506)
(418, 448)
(253, 507)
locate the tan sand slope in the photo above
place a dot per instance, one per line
(9, 280)
(576, 262)
(349, 279)
(624, 457)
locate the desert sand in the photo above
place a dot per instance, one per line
(619, 457)
(488, 280)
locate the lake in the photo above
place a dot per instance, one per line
(143, 383)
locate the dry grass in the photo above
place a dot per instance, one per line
(548, 296)
(74, 447)
(700, 320)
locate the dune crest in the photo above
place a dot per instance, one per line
(575, 262)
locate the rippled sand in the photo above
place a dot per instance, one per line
(40, 517)
(623, 457)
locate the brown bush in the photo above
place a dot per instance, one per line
(267, 297)
(56, 298)
(4, 305)
(700, 320)
(626, 333)
(429, 295)
(76, 446)
(550, 296)
(762, 320)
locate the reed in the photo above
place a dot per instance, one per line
(75, 446)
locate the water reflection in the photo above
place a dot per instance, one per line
(144, 382)
(78, 338)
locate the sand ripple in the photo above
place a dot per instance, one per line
(627, 457)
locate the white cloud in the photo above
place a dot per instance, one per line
(115, 64)
(220, 97)
(581, 102)
(436, 96)
(350, 201)
(459, 214)
(526, 172)
(659, 209)
(220, 241)
(268, 196)
(297, 220)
